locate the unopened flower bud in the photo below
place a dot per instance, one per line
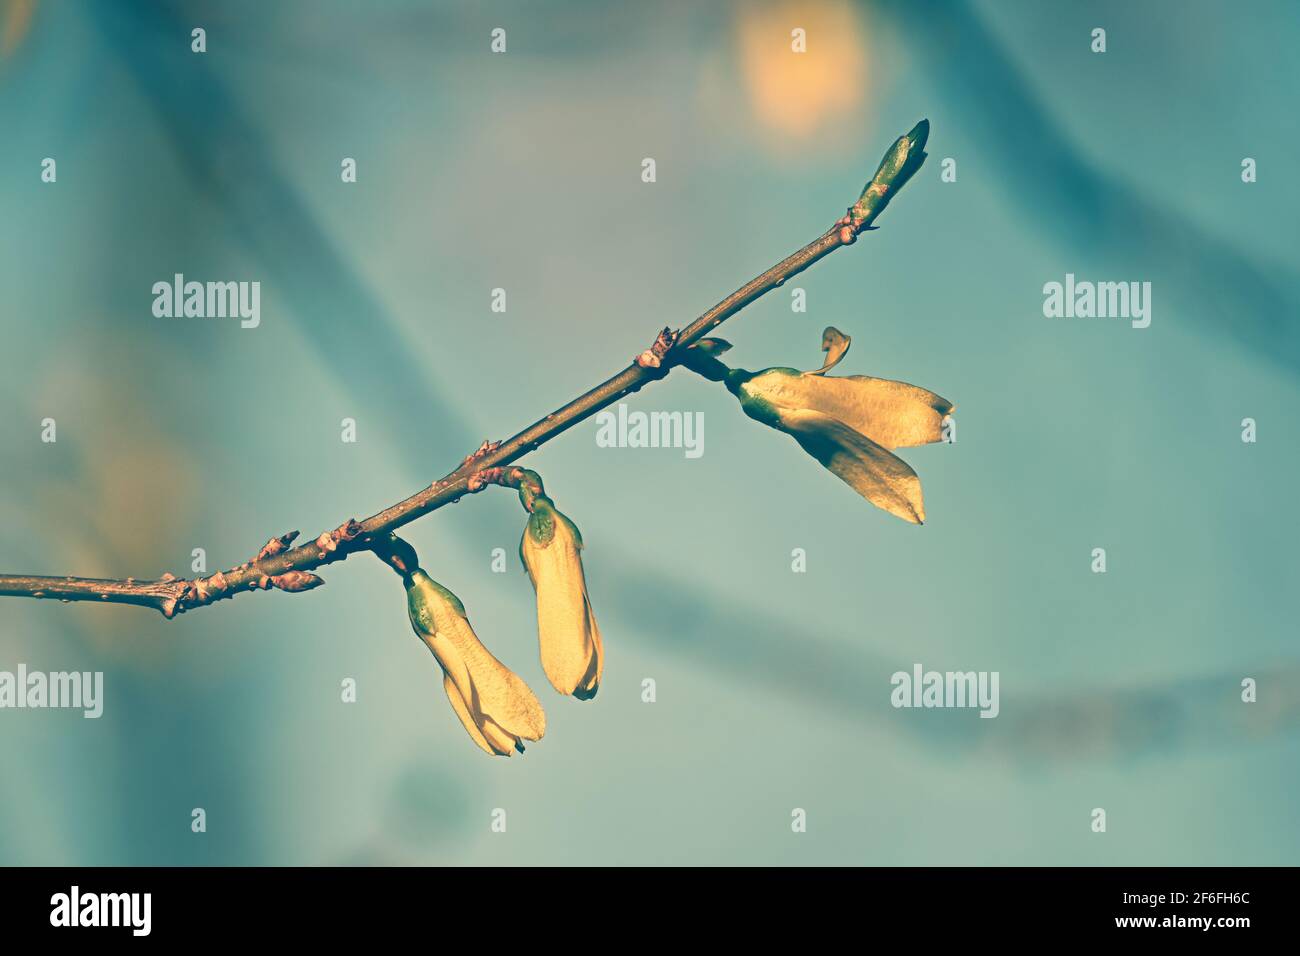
(571, 647)
(493, 703)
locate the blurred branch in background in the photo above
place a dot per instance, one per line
(1159, 718)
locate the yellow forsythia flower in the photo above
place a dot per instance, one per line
(571, 647)
(495, 705)
(850, 424)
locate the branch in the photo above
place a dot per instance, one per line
(280, 567)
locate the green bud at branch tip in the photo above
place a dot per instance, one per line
(900, 162)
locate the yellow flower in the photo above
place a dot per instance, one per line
(495, 705)
(849, 423)
(572, 652)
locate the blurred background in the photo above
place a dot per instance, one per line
(522, 171)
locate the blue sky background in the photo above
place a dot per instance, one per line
(522, 171)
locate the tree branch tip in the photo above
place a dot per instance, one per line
(919, 134)
(900, 162)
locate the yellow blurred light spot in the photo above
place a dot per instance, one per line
(799, 94)
(17, 17)
(130, 496)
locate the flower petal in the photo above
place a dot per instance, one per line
(485, 693)
(568, 638)
(590, 682)
(892, 414)
(466, 718)
(882, 478)
(836, 345)
(505, 742)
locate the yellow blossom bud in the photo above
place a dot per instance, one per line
(849, 424)
(571, 648)
(495, 705)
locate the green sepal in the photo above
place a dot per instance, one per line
(541, 523)
(420, 593)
